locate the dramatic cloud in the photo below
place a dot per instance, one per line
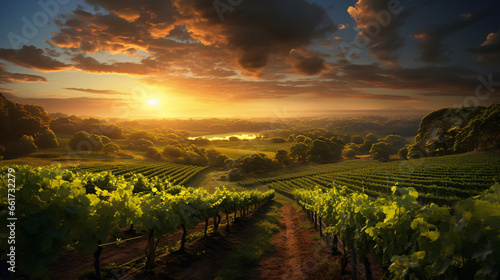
(98, 91)
(307, 63)
(489, 51)
(33, 58)
(7, 77)
(90, 64)
(429, 39)
(250, 35)
(380, 21)
(254, 30)
(157, 16)
(230, 51)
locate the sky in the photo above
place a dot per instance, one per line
(226, 58)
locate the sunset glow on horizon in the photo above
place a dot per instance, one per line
(174, 58)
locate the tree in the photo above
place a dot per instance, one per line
(396, 140)
(320, 150)
(199, 141)
(256, 163)
(233, 139)
(153, 153)
(142, 134)
(353, 147)
(105, 139)
(365, 147)
(46, 139)
(143, 144)
(96, 142)
(299, 152)
(278, 140)
(219, 161)
(28, 126)
(403, 153)
(382, 151)
(111, 148)
(80, 142)
(38, 112)
(371, 137)
(25, 145)
(300, 139)
(282, 157)
(336, 150)
(112, 131)
(172, 152)
(356, 139)
(349, 153)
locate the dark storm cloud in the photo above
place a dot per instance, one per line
(429, 39)
(255, 30)
(307, 63)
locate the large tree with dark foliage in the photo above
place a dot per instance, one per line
(457, 130)
(24, 128)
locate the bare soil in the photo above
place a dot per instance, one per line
(300, 255)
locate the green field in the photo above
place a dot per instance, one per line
(442, 180)
(238, 149)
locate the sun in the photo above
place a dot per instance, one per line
(153, 102)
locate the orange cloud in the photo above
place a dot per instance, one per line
(7, 77)
(342, 26)
(98, 91)
(489, 51)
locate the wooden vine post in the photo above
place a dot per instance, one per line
(150, 264)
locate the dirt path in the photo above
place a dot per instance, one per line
(297, 255)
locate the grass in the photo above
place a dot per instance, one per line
(64, 156)
(221, 135)
(247, 255)
(238, 149)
